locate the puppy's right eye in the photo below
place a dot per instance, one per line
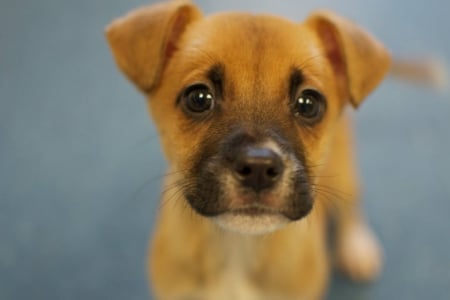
(310, 106)
(198, 99)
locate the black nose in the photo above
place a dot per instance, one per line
(257, 168)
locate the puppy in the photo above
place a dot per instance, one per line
(251, 112)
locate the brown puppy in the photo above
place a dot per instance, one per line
(251, 114)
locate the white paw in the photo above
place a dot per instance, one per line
(358, 253)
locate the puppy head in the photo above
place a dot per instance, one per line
(246, 104)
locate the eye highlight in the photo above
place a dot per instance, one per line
(309, 106)
(197, 99)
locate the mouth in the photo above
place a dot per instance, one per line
(236, 209)
(254, 210)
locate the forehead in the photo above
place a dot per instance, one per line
(253, 48)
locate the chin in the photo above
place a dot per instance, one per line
(251, 223)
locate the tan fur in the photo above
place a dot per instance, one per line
(166, 47)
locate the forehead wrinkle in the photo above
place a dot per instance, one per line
(246, 62)
(264, 77)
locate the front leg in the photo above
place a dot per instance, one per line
(181, 265)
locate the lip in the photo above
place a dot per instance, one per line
(255, 210)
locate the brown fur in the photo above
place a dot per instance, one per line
(164, 48)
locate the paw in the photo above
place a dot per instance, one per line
(358, 253)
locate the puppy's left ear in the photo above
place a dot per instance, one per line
(143, 41)
(359, 61)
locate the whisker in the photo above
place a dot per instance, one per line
(330, 193)
(176, 190)
(331, 189)
(332, 196)
(306, 62)
(146, 140)
(153, 179)
(309, 166)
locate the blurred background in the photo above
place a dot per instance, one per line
(80, 164)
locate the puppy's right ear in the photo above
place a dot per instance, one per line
(143, 41)
(359, 60)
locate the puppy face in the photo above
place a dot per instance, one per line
(249, 116)
(245, 106)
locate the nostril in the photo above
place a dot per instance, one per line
(272, 172)
(244, 171)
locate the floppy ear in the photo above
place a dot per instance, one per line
(143, 41)
(359, 61)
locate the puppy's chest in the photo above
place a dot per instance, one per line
(244, 273)
(234, 280)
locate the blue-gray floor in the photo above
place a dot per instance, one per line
(80, 164)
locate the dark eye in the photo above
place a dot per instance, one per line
(310, 106)
(198, 99)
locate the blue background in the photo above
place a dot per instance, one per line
(80, 164)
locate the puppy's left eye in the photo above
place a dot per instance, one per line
(198, 99)
(310, 106)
